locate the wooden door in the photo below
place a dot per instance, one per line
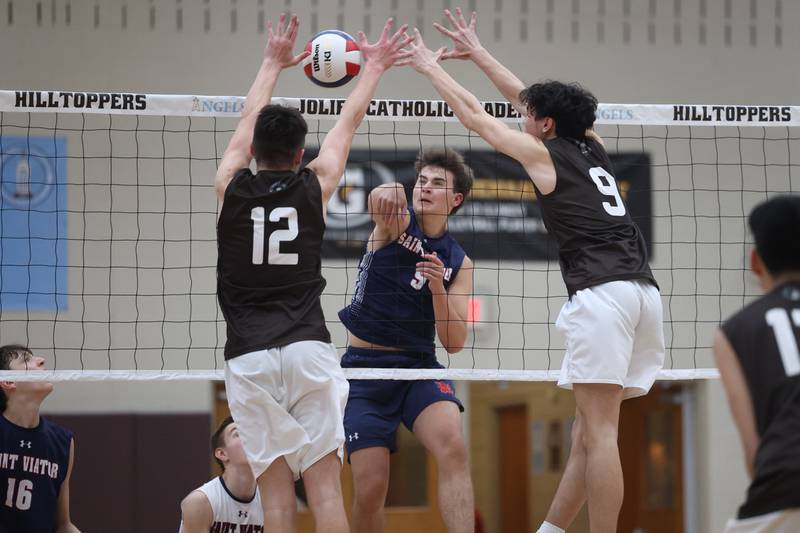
(513, 435)
(650, 443)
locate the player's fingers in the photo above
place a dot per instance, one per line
(405, 42)
(444, 31)
(434, 259)
(293, 25)
(450, 16)
(418, 38)
(281, 23)
(362, 39)
(269, 30)
(299, 57)
(461, 22)
(399, 34)
(473, 21)
(386, 29)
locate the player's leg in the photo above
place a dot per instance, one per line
(571, 493)
(271, 437)
(324, 490)
(316, 392)
(599, 408)
(610, 312)
(370, 422)
(370, 468)
(438, 428)
(276, 486)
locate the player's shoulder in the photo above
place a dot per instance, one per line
(750, 316)
(197, 500)
(56, 431)
(196, 509)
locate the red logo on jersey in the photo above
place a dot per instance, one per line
(444, 388)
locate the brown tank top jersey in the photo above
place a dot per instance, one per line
(597, 239)
(269, 279)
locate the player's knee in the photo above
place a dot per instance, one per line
(578, 439)
(323, 495)
(450, 449)
(370, 488)
(599, 433)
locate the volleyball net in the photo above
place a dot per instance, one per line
(108, 229)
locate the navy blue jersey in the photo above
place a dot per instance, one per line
(392, 304)
(33, 465)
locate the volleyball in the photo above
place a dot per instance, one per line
(334, 60)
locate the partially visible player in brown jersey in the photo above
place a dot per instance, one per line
(759, 362)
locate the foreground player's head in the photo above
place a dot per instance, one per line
(774, 224)
(226, 444)
(18, 357)
(279, 137)
(443, 181)
(557, 109)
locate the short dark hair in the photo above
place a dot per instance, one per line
(774, 224)
(449, 160)
(218, 439)
(570, 105)
(279, 133)
(8, 353)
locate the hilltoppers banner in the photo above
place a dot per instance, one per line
(381, 109)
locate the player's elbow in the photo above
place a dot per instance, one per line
(453, 348)
(455, 343)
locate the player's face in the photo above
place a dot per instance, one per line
(27, 361)
(233, 445)
(433, 192)
(535, 126)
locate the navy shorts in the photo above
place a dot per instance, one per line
(375, 407)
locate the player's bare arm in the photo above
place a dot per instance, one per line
(277, 56)
(733, 380)
(449, 306)
(198, 517)
(379, 57)
(527, 149)
(466, 45)
(388, 206)
(63, 521)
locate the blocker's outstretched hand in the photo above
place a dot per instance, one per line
(420, 57)
(280, 43)
(465, 39)
(386, 51)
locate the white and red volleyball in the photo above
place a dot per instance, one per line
(335, 58)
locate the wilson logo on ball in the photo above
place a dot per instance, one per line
(335, 58)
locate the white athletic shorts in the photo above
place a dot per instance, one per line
(289, 402)
(787, 521)
(613, 334)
